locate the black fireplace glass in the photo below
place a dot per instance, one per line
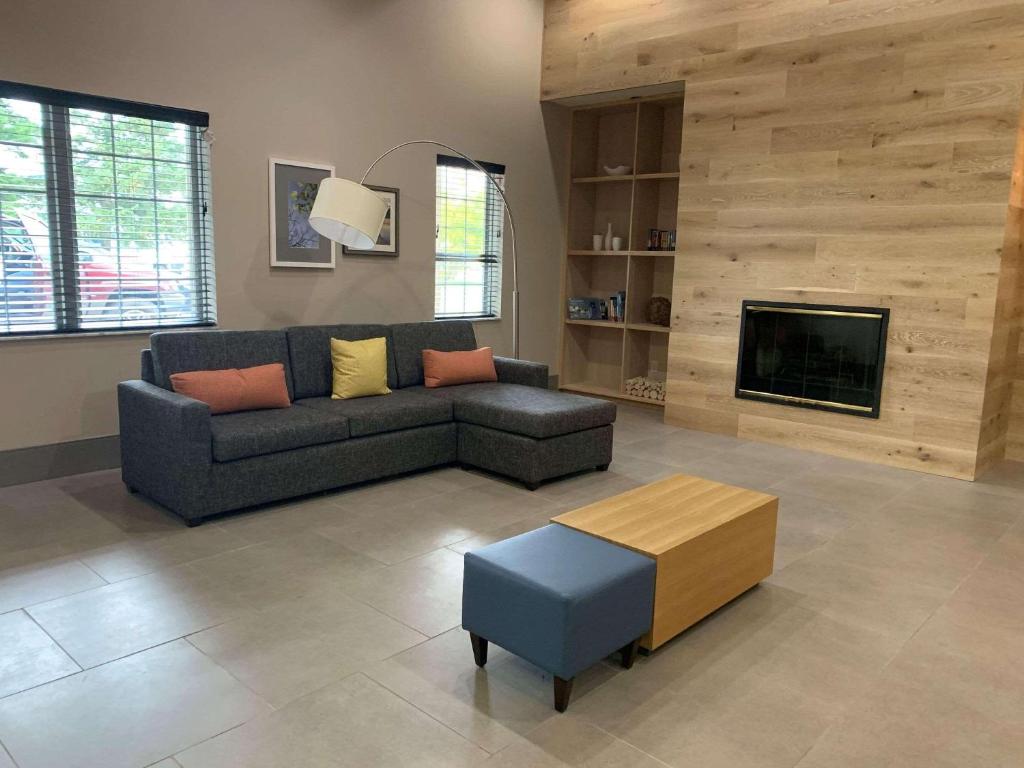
(812, 355)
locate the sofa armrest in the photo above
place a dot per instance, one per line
(163, 414)
(511, 371)
(166, 445)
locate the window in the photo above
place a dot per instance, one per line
(104, 221)
(470, 225)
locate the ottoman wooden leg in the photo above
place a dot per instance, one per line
(479, 649)
(563, 690)
(628, 652)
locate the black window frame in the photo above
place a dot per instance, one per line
(56, 105)
(494, 242)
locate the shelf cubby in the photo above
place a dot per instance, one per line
(646, 354)
(598, 356)
(593, 357)
(655, 206)
(595, 277)
(603, 136)
(592, 207)
(647, 278)
(659, 136)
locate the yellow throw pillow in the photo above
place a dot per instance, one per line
(360, 368)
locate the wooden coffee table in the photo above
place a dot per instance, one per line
(711, 542)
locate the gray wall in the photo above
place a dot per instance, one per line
(335, 81)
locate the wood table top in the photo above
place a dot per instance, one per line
(658, 517)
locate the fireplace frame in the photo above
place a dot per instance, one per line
(881, 313)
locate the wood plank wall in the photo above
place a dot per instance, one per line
(846, 152)
(1015, 238)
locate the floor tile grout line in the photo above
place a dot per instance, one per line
(7, 752)
(216, 735)
(99, 575)
(64, 597)
(228, 672)
(161, 760)
(185, 637)
(83, 669)
(56, 642)
(118, 582)
(879, 682)
(428, 714)
(41, 685)
(631, 744)
(427, 635)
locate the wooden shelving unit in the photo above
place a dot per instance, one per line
(597, 356)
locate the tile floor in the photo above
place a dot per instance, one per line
(324, 632)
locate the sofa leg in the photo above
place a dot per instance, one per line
(531, 486)
(603, 467)
(131, 489)
(192, 522)
(563, 690)
(479, 649)
(628, 652)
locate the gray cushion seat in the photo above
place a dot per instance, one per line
(254, 433)
(402, 409)
(176, 352)
(557, 597)
(537, 413)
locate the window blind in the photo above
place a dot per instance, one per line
(104, 214)
(470, 230)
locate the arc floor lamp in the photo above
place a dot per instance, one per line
(351, 214)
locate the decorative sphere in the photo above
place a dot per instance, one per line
(659, 311)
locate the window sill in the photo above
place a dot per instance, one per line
(100, 333)
(470, 319)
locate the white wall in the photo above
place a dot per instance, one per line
(335, 81)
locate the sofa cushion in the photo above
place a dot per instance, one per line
(402, 409)
(179, 351)
(538, 413)
(235, 389)
(446, 369)
(412, 338)
(254, 433)
(310, 349)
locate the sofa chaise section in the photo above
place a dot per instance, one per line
(530, 434)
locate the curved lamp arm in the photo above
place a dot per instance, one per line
(508, 213)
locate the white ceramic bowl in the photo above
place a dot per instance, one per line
(618, 170)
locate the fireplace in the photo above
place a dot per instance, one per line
(812, 356)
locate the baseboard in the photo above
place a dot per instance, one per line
(43, 462)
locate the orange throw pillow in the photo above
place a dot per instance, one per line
(235, 389)
(443, 369)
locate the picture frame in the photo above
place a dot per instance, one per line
(387, 242)
(293, 242)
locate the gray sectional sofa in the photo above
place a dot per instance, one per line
(197, 464)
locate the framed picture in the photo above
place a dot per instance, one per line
(293, 242)
(387, 241)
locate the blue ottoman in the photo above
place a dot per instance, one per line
(560, 599)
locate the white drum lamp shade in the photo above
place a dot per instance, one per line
(348, 213)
